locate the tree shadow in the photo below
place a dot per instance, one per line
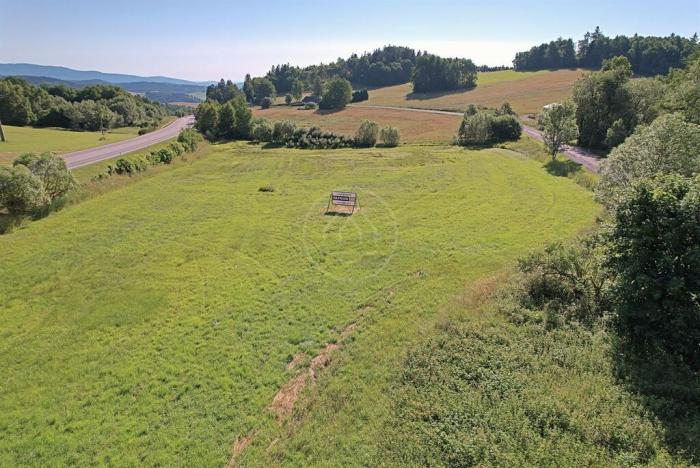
(342, 214)
(562, 168)
(414, 96)
(669, 390)
(328, 111)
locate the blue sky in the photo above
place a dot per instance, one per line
(210, 39)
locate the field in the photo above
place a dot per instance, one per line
(156, 323)
(415, 127)
(526, 92)
(38, 140)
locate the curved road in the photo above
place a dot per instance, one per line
(100, 153)
(577, 154)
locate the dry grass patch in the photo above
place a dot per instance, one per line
(415, 127)
(526, 93)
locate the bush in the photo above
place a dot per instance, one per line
(56, 178)
(21, 191)
(189, 139)
(337, 94)
(654, 246)
(288, 99)
(262, 131)
(315, 138)
(505, 127)
(389, 136)
(360, 95)
(266, 103)
(282, 131)
(367, 134)
(310, 106)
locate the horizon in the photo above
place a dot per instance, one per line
(208, 52)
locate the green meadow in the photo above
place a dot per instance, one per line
(153, 324)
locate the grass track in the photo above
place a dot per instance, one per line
(152, 325)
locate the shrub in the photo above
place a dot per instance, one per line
(176, 148)
(21, 191)
(505, 127)
(337, 94)
(288, 99)
(315, 138)
(189, 138)
(266, 103)
(367, 134)
(654, 246)
(360, 95)
(389, 136)
(282, 131)
(310, 106)
(55, 176)
(123, 166)
(163, 156)
(262, 131)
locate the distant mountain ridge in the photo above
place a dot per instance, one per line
(69, 74)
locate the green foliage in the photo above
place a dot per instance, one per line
(248, 89)
(360, 95)
(266, 103)
(337, 94)
(297, 89)
(263, 88)
(223, 91)
(433, 73)
(317, 86)
(684, 91)
(668, 146)
(226, 121)
(647, 55)
(21, 192)
(481, 127)
(315, 138)
(189, 138)
(262, 131)
(654, 244)
(283, 131)
(558, 124)
(232, 120)
(57, 180)
(207, 119)
(367, 133)
(389, 136)
(505, 109)
(91, 108)
(288, 99)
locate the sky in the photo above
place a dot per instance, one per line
(211, 39)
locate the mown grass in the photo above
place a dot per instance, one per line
(526, 92)
(39, 140)
(152, 324)
(415, 127)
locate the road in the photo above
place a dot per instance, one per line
(100, 153)
(577, 154)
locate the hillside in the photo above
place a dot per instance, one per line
(166, 334)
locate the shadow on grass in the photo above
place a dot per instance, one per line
(562, 168)
(413, 96)
(670, 391)
(342, 214)
(328, 111)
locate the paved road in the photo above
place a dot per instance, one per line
(100, 153)
(577, 154)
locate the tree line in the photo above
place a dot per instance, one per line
(97, 107)
(648, 55)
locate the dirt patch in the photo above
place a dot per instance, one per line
(296, 360)
(238, 446)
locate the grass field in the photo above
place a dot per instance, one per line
(526, 92)
(415, 127)
(154, 324)
(39, 140)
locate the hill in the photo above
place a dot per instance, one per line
(69, 74)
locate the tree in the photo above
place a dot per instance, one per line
(668, 146)
(367, 134)
(433, 73)
(288, 99)
(317, 87)
(337, 94)
(244, 119)
(262, 88)
(248, 89)
(20, 191)
(207, 118)
(226, 121)
(262, 131)
(558, 123)
(283, 131)
(654, 244)
(57, 180)
(297, 89)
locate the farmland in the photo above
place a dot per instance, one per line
(414, 127)
(166, 333)
(526, 92)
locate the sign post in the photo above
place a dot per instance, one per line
(342, 199)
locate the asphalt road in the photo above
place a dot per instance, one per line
(577, 154)
(100, 153)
